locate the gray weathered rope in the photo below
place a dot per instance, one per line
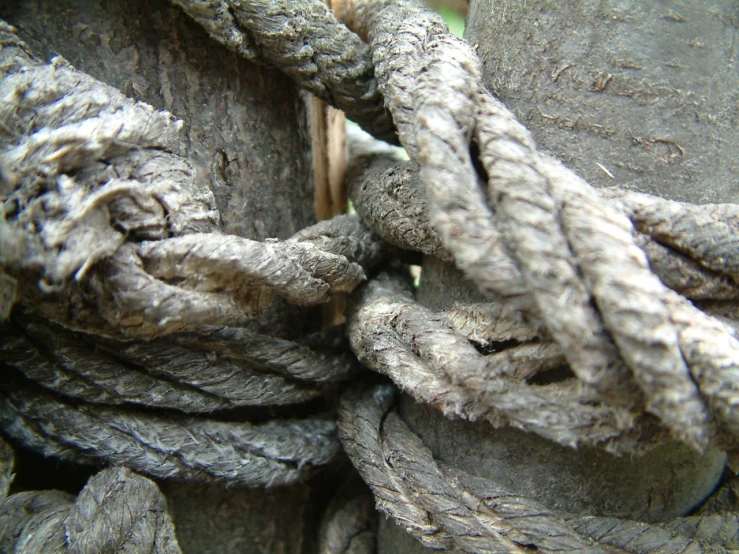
(304, 40)
(554, 246)
(191, 449)
(130, 240)
(390, 199)
(477, 515)
(117, 511)
(156, 374)
(424, 354)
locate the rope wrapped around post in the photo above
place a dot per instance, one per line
(108, 242)
(531, 233)
(304, 40)
(130, 243)
(108, 238)
(446, 508)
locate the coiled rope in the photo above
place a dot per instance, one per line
(531, 233)
(446, 508)
(106, 231)
(103, 219)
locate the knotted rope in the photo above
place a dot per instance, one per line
(303, 40)
(96, 178)
(531, 233)
(446, 345)
(107, 231)
(105, 215)
(117, 511)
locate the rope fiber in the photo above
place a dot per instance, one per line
(131, 321)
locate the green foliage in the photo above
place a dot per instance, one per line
(453, 19)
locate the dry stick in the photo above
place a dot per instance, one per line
(473, 514)
(117, 511)
(303, 40)
(572, 248)
(276, 452)
(395, 336)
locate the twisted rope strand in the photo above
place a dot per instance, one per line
(395, 336)
(276, 452)
(390, 199)
(303, 40)
(155, 375)
(475, 514)
(575, 255)
(130, 239)
(116, 511)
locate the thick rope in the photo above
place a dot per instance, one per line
(157, 374)
(383, 189)
(527, 230)
(116, 511)
(473, 514)
(129, 242)
(390, 199)
(434, 362)
(168, 447)
(303, 40)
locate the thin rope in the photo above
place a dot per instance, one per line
(478, 515)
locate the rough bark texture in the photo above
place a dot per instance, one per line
(648, 91)
(245, 125)
(246, 131)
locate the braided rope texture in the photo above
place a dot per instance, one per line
(596, 280)
(129, 243)
(108, 244)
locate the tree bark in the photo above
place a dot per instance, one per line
(247, 134)
(636, 94)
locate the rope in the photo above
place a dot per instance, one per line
(418, 349)
(390, 199)
(477, 515)
(168, 446)
(107, 236)
(304, 41)
(129, 242)
(157, 374)
(116, 511)
(529, 231)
